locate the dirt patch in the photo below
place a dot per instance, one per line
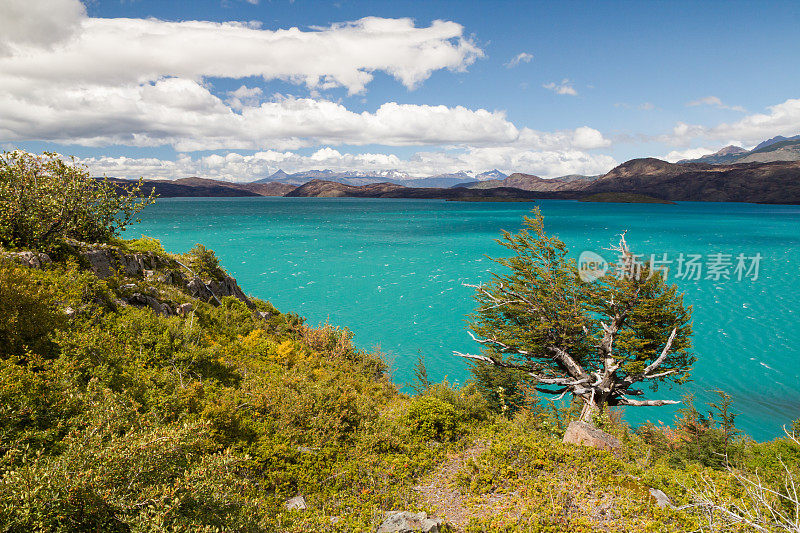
(439, 493)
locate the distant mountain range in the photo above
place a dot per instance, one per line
(389, 176)
(331, 189)
(197, 187)
(529, 182)
(775, 183)
(769, 173)
(778, 148)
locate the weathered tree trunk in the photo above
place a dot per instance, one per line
(588, 411)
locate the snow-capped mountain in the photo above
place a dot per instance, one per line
(491, 175)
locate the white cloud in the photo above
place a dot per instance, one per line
(243, 168)
(340, 55)
(151, 88)
(184, 114)
(134, 82)
(244, 96)
(780, 119)
(522, 57)
(714, 101)
(565, 87)
(26, 25)
(691, 153)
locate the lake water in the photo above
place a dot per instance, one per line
(392, 272)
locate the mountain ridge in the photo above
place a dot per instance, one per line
(772, 183)
(778, 148)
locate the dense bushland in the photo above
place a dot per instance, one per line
(120, 418)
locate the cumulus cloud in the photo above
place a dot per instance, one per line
(714, 101)
(70, 79)
(565, 87)
(135, 51)
(780, 119)
(690, 153)
(186, 115)
(26, 25)
(522, 57)
(148, 82)
(244, 96)
(237, 167)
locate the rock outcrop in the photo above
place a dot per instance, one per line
(584, 434)
(406, 522)
(30, 259)
(106, 261)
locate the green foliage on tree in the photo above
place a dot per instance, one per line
(506, 391)
(44, 199)
(421, 382)
(204, 263)
(595, 340)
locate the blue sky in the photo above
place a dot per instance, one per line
(597, 83)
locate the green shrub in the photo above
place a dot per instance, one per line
(205, 263)
(28, 312)
(44, 199)
(432, 418)
(33, 304)
(710, 440)
(143, 244)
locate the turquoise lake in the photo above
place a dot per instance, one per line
(392, 272)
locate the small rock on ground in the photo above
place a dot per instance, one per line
(662, 500)
(406, 522)
(298, 503)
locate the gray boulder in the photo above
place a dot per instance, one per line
(584, 434)
(214, 290)
(138, 298)
(298, 503)
(159, 307)
(229, 287)
(662, 500)
(407, 522)
(99, 261)
(141, 300)
(31, 259)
